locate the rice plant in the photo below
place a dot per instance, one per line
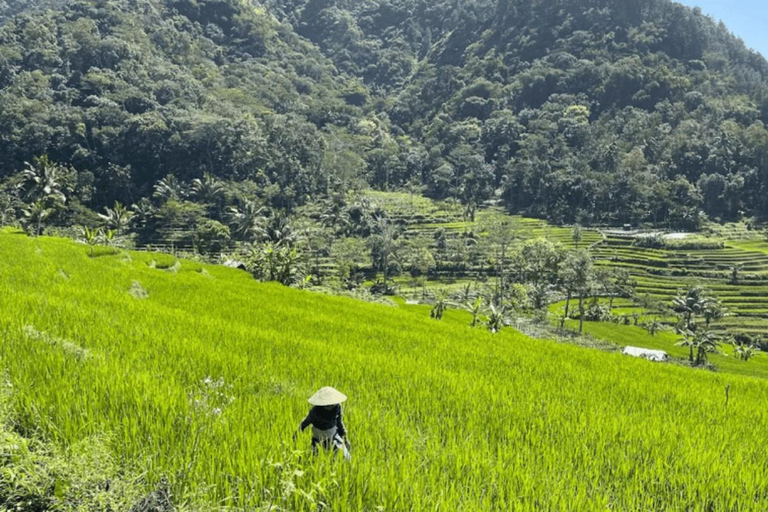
(197, 388)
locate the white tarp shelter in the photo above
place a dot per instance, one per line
(651, 355)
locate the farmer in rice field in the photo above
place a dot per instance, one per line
(325, 417)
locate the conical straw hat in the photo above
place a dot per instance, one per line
(327, 396)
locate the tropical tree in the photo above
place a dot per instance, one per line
(247, 221)
(118, 217)
(576, 235)
(43, 180)
(34, 216)
(107, 236)
(335, 217)
(713, 311)
(700, 342)
(169, 188)
(282, 264)
(501, 233)
(279, 230)
(208, 189)
(689, 305)
(735, 273)
(143, 212)
(578, 272)
(474, 308)
(654, 327)
(384, 246)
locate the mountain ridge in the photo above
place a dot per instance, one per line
(593, 111)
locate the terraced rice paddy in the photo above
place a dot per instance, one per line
(441, 416)
(662, 274)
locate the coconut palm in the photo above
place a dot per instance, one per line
(35, 215)
(578, 272)
(208, 189)
(279, 231)
(117, 217)
(688, 306)
(169, 188)
(248, 221)
(335, 217)
(713, 310)
(143, 211)
(42, 180)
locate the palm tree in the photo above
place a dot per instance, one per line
(701, 342)
(42, 180)
(248, 221)
(169, 188)
(117, 218)
(579, 274)
(713, 311)
(735, 271)
(279, 230)
(654, 327)
(35, 215)
(335, 217)
(143, 211)
(743, 351)
(208, 189)
(688, 306)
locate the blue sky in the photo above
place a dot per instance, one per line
(745, 18)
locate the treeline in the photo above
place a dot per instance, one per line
(591, 111)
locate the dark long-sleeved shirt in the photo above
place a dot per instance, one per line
(325, 419)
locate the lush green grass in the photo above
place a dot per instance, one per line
(442, 417)
(630, 335)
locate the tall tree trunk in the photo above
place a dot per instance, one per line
(567, 308)
(503, 260)
(581, 312)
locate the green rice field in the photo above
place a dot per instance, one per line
(199, 375)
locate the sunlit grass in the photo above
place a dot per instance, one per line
(441, 417)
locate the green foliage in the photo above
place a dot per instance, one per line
(38, 475)
(211, 237)
(662, 241)
(279, 263)
(190, 100)
(272, 346)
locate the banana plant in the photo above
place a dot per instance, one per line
(91, 237)
(475, 309)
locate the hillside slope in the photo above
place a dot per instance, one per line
(593, 111)
(598, 111)
(440, 415)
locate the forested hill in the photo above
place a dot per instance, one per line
(608, 111)
(620, 110)
(128, 92)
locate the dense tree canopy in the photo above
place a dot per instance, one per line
(590, 111)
